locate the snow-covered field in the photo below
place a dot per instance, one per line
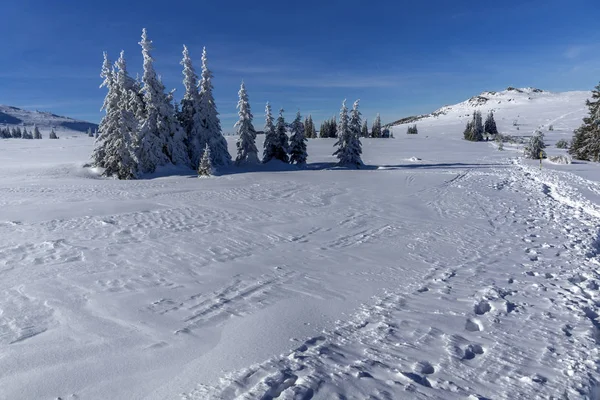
(443, 270)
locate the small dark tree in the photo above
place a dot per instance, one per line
(205, 168)
(298, 153)
(364, 131)
(412, 130)
(490, 124)
(52, 135)
(376, 128)
(586, 140)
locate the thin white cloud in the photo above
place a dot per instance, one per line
(575, 51)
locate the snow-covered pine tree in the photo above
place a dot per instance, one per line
(160, 135)
(276, 140)
(333, 128)
(189, 108)
(364, 131)
(205, 168)
(298, 153)
(536, 146)
(208, 119)
(324, 130)
(25, 134)
(52, 135)
(490, 124)
(376, 128)
(90, 133)
(120, 159)
(348, 144)
(468, 132)
(246, 142)
(309, 128)
(36, 132)
(110, 103)
(269, 145)
(586, 140)
(477, 126)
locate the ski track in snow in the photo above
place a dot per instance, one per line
(500, 333)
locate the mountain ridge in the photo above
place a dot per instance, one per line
(14, 116)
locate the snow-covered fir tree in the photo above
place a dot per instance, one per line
(208, 120)
(205, 167)
(120, 158)
(364, 131)
(586, 139)
(25, 134)
(190, 104)
(535, 147)
(348, 144)
(478, 126)
(52, 135)
(109, 104)
(276, 140)
(161, 138)
(474, 129)
(246, 142)
(90, 133)
(490, 124)
(16, 133)
(376, 128)
(309, 128)
(412, 130)
(283, 146)
(324, 130)
(298, 153)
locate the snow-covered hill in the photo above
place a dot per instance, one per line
(45, 121)
(517, 112)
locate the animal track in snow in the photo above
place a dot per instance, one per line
(482, 307)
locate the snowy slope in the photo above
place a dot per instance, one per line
(444, 270)
(13, 116)
(517, 112)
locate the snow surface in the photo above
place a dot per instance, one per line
(442, 270)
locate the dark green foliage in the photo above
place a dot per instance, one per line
(490, 124)
(562, 144)
(309, 128)
(376, 128)
(412, 130)
(586, 140)
(364, 131)
(328, 129)
(474, 129)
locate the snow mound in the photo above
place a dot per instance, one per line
(562, 159)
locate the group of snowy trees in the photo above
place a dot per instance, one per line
(142, 128)
(329, 129)
(412, 130)
(17, 133)
(277, 144)
(586, 140)
(476, 129)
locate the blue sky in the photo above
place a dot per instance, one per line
(399, 57)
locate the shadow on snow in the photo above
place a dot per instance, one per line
(278, 166)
